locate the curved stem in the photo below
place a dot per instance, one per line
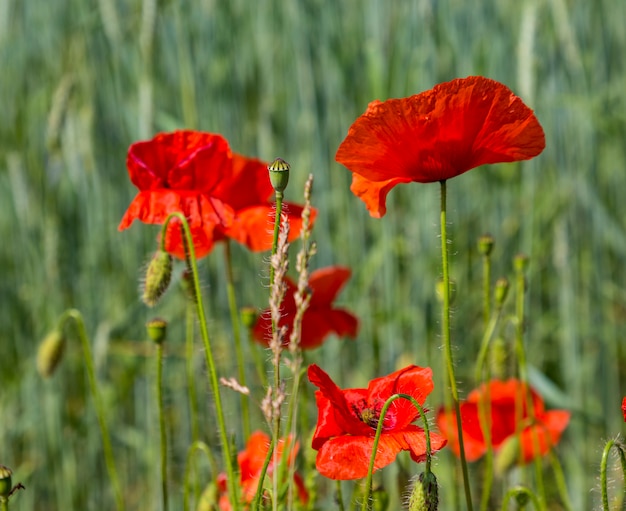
(233, 487)
(560, 482)
(447, 346)
(519, 490)
(379, 428)
(603, 470)
(109, 459)
(195, 446)
(234, 319)
(339, 498)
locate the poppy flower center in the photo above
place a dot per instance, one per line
(370, 417)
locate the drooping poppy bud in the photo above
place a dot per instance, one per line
(425, 494)
(6, 484)
(50, 353)
(157, 278)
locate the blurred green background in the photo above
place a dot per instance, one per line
(83, 79)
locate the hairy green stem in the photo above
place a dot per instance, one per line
(195, 446)
(234, 319)
(603, 469)
(447, 345)
(379, 430)
(109, 459)
(162, 430)
(232, 483)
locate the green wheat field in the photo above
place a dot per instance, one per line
(80, 80)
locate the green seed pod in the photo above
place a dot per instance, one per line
(50, 353)
(157, 328)
(520, 263)
(158, 277)
(6, 485)
(279, 174)
(501, 291)
(425, 494)
(249, 316)
(485, 244)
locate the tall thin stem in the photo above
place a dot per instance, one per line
(233, 487)
(234, 319)
(447, 345)
(100, 412)
(162, 430)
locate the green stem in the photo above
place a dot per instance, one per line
(234, 319)
(232, 483)
(379, 430)
(276, 363)
(447, 346)
(162, 430)
(519, 490)
(603, 470)
(523, 371)
(195, 446)
(339, 498)
(560, 482)
(487, 288)
(4, 504)
(100, 412)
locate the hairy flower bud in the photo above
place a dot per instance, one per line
(425, 494)
(157, 278)
(50, 353)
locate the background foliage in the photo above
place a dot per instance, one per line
(81, 80)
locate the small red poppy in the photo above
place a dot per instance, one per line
(436, 135)
(251, 461)
(222, 195)
(624, 408)
(320, 318)
(505, 397)
(347, 422)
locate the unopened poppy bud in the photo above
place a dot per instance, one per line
(498, 358)
(501, 291)
(279, 174)
(485, 244)
(6, 485)
(50, 353)
(508, 455)
(439, 291)
(158, 277)
(189, 286)
(209, 498)
(522, 498)
(520, 263)
(249, 316)
(425, 495)
(157, 328)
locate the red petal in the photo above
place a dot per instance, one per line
(181, 160)
(413, 380)
(246, 185)
(545, 434)
(473, 443)
(624, 408)
(374, 193)
(254, 226)
(203, 240)
(326, 284)
(437, 135)
(348, 457)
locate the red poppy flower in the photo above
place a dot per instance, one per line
(436, 135)
(624, 408)
(222, 195)
(504, 396)
(251, 461)
(347, 422)
(321, 318)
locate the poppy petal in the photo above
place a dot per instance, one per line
(374, 193)
(248, 183)
(545, 434)
(326, 283)
(348, 457)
